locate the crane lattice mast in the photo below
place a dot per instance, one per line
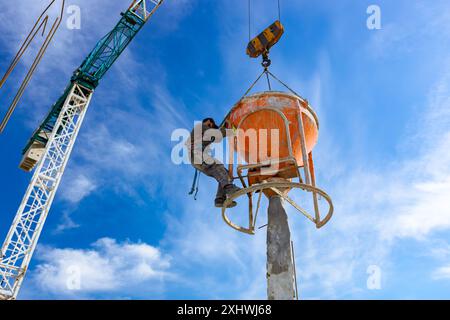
(51, 144)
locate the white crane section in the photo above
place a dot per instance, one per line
(23, 235)
(51, 145)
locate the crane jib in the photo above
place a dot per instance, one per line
(93, 68)
(51, 145)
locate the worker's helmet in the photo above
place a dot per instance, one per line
(214, 125)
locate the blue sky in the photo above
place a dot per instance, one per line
(122, 215)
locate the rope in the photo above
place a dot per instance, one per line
(267, 72)
(268, 82)
(196, 187)
(195, 183)
(254, 83)
(285, 85)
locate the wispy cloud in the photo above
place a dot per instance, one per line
(402, 37)
(66, 223)
(108, 266)
(442, 273)
(77, 188)
(374, 208)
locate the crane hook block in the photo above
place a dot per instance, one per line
(265, 40)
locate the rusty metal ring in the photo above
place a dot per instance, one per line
(274, 185)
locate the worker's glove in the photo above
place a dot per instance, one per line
(225, 125)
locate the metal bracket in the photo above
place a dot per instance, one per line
(276, 186)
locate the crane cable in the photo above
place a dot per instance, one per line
(266, 66)
(279, 10)
(250, 17)
(196, 180)
(249, 21)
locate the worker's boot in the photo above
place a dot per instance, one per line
(230, 189)
(219, 203)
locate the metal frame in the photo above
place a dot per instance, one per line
(289, 158)
(308, 168)
(140, 8)
(57, 135)
(100, 60)
(23, 235)
(41, 23)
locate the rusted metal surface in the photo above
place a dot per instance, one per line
(276, 186)
(245, 115)
(273, 172)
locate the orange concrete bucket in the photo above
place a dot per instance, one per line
(280, 111)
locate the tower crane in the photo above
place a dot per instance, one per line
(51, 144)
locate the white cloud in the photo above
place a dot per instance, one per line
(108, 266)
(374, 207)
(77, 187)
(67, 223)
(419, 190)
(399, 36)
(442, 273)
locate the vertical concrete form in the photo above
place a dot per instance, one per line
(280, 268)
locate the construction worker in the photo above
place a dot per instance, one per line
(202, 136)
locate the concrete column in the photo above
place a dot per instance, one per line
(280, 269)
